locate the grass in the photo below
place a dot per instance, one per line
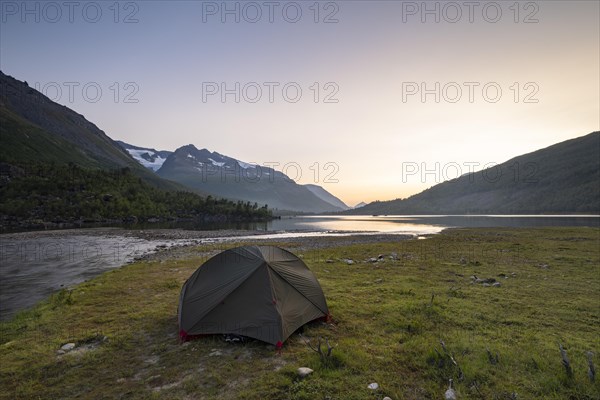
(389, 320)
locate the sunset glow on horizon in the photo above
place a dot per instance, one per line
(351, 95)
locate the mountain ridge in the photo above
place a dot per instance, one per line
(225, 176)
(228, 177)
(561, 178)
(324, 195)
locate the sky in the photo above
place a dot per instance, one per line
(373, 100)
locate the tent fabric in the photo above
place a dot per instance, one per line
(263, 292)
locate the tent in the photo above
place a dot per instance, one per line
(262, 292)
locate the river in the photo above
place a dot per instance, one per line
(34, 265)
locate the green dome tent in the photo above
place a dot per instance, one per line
(262, 292)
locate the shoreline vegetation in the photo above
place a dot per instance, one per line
(507, 313)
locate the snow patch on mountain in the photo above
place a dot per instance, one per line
(147, 158)
(244, 165)
(216, 163)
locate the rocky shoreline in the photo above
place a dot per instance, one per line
(182, 243)
(199, 236)
(148, 234)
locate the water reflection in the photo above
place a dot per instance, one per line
(411, 224)
(424, 223)
(407, 224)
(356, 224)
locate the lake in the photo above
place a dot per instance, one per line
(423, 224)
(402, 224)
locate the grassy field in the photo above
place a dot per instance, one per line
(390, 319)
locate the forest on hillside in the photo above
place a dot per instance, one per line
(48, 193)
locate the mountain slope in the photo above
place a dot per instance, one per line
(59, 170)
(23, 141)
(326, 196)
(35, 129)
(227, 177)
(563, 178)
(36, 109)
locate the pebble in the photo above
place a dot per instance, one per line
(304, 372)
(68, 347)
(485, 282)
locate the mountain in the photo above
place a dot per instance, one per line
(326, 196)
(361, 204)
(227, 177)
(33, 128)
(59, 170)
(236, 175)
(149, 158)
(563, 178)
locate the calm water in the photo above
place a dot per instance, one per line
(422, 224)
(411, 224)
(32, 269)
